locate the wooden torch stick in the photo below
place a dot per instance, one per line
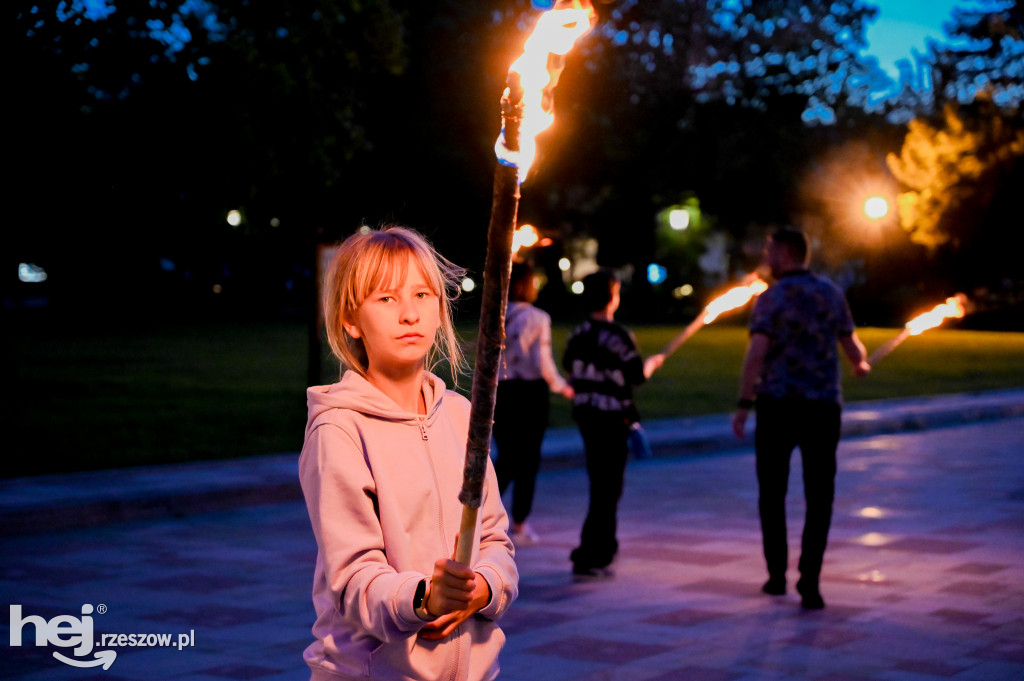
(491, 338)
(888, 347)
(684, 335)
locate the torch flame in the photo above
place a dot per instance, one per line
(953, 308)
(537, 71)
(734, 298)
(524, 237)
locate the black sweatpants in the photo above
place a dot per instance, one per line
(605, 439)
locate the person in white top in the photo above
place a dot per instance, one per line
(527, 375)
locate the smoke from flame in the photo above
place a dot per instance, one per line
(537, 71)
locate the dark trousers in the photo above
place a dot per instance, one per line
(605, 439)
(520, 418)
(782, 425)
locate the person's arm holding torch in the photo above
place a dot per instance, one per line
(856, 353)
(654, 362)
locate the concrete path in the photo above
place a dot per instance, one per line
(922, 578)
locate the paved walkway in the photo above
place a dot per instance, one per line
(923, 575)
(50, 502)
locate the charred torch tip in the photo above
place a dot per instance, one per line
(514, 93)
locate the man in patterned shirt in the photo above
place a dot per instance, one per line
(791, 369)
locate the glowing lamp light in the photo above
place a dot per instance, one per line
(679, 219)
(681, 292)
(31, 274)
(876, 207)
(468, 284)
(564, 264)
(234, 218)
(656, 273)
(577, 287)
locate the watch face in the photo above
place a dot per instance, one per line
(421, 590)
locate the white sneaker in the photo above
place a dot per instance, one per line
(525, 536)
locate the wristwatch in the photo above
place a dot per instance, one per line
(419, 601)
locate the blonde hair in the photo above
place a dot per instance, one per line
(372, 259)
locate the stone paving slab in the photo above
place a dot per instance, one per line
(922, 578)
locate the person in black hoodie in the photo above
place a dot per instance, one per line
(604, 365)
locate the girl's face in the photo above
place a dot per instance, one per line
(398, 324)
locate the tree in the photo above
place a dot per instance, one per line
(985, 54)
(712, 97)
(955, 172)
(141, 124)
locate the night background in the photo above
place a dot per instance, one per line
(137, 128)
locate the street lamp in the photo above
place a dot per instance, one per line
(679, 219)
(876, 207)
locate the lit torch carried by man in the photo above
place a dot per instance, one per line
(955, 307)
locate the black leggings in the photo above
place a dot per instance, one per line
(520, 419)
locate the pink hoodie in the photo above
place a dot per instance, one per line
(382, 487)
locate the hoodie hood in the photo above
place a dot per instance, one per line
(356, 393)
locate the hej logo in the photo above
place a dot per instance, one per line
(64, 631)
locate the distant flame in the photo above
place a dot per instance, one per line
(734, 298)
(537, 71)
(524, 237)
(953, 308)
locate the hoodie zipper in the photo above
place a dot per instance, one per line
(457, 634)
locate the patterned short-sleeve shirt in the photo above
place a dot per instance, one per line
(804, 315)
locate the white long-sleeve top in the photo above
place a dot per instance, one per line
(527, 352)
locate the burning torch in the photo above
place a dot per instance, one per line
(955, 307)
(733, 299)
(526, 110)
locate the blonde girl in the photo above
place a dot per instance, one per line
(381, 469)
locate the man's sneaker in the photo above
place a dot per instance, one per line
(775, 587)
(590, 574)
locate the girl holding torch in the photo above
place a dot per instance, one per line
(380, 470)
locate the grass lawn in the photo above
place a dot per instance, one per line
(112, 397)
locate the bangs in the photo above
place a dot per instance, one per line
(386, 265)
